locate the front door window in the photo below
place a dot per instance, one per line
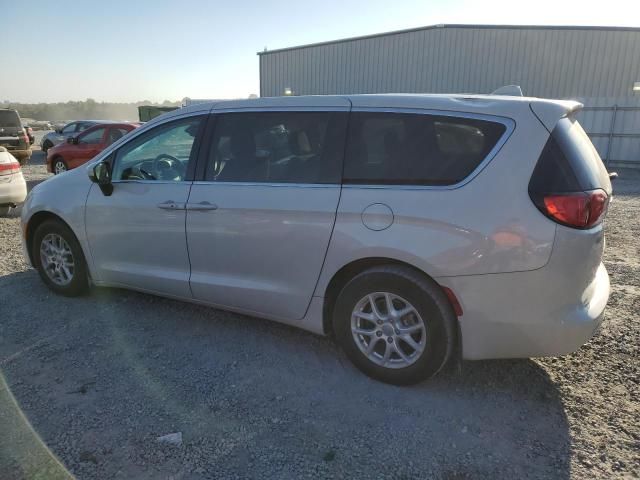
(161, 154)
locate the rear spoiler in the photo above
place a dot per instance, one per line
(547, 111)
(550, 111)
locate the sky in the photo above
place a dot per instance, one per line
(124, 51)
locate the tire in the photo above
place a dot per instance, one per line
(407, 289)
(78, 282)
(46, 146)
(58, 165)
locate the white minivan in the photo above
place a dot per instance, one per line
(413, 228)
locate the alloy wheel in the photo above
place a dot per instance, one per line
(388, 330)
(56, 259)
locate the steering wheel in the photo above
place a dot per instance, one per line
(165, 162)
(138, 173)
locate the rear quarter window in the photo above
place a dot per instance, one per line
(416, 149)
(569, 162)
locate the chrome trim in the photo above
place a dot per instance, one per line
(152, 182)
(265, 184)
(297, 108)
(509, 123)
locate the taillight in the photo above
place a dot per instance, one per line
(577, 210)
(9, 168)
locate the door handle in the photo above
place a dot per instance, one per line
(171, 205)
(202, 206)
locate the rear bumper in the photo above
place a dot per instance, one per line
(525, 314)
(13, 192)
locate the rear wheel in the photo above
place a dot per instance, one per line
(59, 166)
(58, 257)
(395, 324)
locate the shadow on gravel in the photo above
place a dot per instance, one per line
(102, 376)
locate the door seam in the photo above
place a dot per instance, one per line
(335, 216)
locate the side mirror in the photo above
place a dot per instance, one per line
(72, 140)
(101, 174)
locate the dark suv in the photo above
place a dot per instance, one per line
(13, 135)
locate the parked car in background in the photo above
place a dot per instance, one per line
(13, 136)
(29, 132)
(83, 147)
(433, 227)
(62, 133)
(13, 188)
(42, 125)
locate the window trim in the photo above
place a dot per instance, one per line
(509, 124)
(209, 132)
(191, 165)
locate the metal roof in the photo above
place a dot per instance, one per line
(453, 25)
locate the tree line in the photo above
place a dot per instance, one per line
(78, 110)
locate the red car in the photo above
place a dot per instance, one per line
(83, 147)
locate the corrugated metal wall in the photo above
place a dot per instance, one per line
(596, 65)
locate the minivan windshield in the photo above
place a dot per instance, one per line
(9, 118)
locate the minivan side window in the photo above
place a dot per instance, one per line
(162, 153)
(277, 147)
(416, 149)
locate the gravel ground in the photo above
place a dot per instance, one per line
(88, 384)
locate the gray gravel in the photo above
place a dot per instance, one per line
(100, 378)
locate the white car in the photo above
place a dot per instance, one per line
(13, 188)
(413, 228)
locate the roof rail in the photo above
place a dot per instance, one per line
(511, 90)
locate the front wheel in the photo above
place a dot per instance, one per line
(59, 166)
(395, 324)
(58, 257)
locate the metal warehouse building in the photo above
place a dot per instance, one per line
(599, 66)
